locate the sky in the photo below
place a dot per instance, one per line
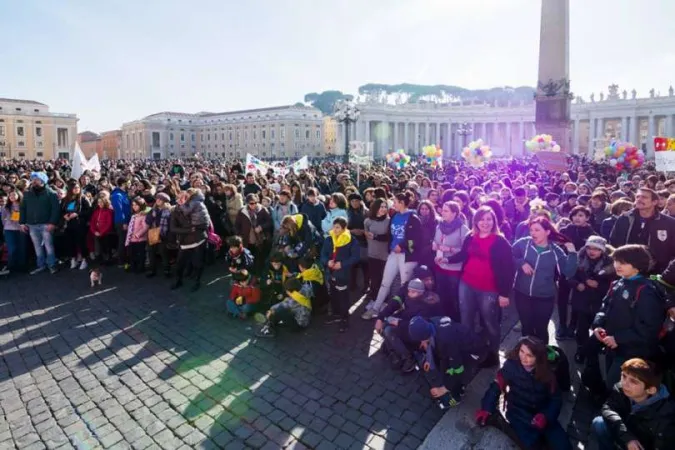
(115, 61)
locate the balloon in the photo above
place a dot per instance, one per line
(477, 153)
(542, 142)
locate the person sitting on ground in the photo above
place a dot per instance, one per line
(449, 354)
(639, 413)
(629, 322)
(392, 322)
(296, 308)
(312, 281)
(244, 296)
(273, 281)
(238, 258)
(533, 399)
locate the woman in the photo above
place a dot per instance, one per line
(424, 189)
(429, 221)
(538, 258)
(190, 222)
(337, 207)
(137, 235)
(14, 237)
(75, 213)
(405, 234)
(299, 238)
(377, 234)
(254, 225)
(504, 225)
(101, 227)
(233, 204)
(462, 199)
(448, 241)
(486, 279)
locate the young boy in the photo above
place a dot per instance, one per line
(630, 319)
(273, 286)
(296, 307)
(639, 413)
(312, 281)
(393, 320)
(243, 296)
(238, 258)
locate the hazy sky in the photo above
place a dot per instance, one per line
(113, 61)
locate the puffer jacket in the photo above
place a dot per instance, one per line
(196, 210)
(578, 235)
(234, 205)
(331, 215)
(343, 249)
(180, 225)
(280, 211)
(601, 270)
(546, 264)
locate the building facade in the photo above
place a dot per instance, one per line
(330, 129)
(111, 144)
(90, 144)
(272, 133)
(28, 130)
(505, 127)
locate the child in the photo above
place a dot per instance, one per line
(589, 286)
(158, 219)
(296, 307)
(533, 400)
(137, 235)
(238, 258)
(639, 413)
(629, 322)
(273, 287)
(392, 322)
(243, 296)
(312, 281)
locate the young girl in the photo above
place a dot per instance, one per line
(533, 399)
(137, 235)
(14, 238)
(244, 296)
(101, 226)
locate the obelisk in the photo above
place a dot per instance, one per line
(553, 97)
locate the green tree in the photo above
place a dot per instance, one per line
(325, 101)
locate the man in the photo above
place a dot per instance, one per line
(517, 209)
(314, 209)
(646, 226)
(122, 209)
(251, 187)
(39, 216)
(285, 207)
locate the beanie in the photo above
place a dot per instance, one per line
(40, 176)
(422, 272)
(597, 242)
(163, 197)
(416, 285)
(419, 329)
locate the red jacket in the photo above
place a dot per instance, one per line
(250, 293)
(101, 221)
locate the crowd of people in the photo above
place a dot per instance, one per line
(437, 252)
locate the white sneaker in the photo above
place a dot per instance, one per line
(84, 265)
(4, 271)
(369, 315)
(73, 263)
(38, 270)
(370, 304)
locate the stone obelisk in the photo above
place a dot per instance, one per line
(553, 97)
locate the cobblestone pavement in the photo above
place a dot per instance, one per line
(134, 365)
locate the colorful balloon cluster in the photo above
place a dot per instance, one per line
(624, 155)
(398, 158)
(477, 153)
(434, 155)
(542, 142)
(662, 144)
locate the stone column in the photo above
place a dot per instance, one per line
(650, 137)
(575, 141)
(367, 131)
(509, 140)
(635, 131)
(416, 138)
(624, 129)
(406, 145)
(591, 135)
(448, 141)
(395, 140)
(521, 132)
(427, 133)
(438, 134)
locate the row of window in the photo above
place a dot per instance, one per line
(23, 155)
(38, 144)
(131, 138)
(21, 131)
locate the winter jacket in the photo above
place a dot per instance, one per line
(121, 205)
(413, 236)
(633, 313)
(577, 234)
(315, 212)
(525, 397)
(659, 236)
(545, 264)
(196, 210)
(101, 221)
(82, 208)
(601, 270)
(304, 239)
(455, 241)
(40, 208)
(598, 216)
(607, 225)
(501, 261)
(11, 217)
(343, 249)
(405, 308)
(513, 215)
(242, 261)
(280, 211)
(185, 233)
(331, 215)
(138, 229)
(250, 294)
(233, 206)
(355, 221)
(425, 252)
(244, 227)
(652, 422)
(378, 246)
(159, 217)
(252, 188)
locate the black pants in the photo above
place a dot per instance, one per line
(137, 250)
(354, 271)
(121, 243)
(564, 289)
(75, 242)
(447, 287)
(534, 314)
(195, 257)
(375, 273)
(155, 252)
(339, 299)
(583, 326)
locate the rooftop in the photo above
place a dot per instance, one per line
(16, 100)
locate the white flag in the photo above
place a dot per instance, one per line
(79, 162)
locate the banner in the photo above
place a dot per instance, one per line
(81, 164)
(361, 153)
(253, 164)
(301, 164)
(556, 161)
(665, 161)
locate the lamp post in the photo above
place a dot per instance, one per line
(464, 130)
(346, 112)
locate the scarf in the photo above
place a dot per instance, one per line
(452, 226)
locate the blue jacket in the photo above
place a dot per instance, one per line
(315, 213)
(344, 249)
(545, 264)
(121, 206)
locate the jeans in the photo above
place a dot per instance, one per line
(447, 287)
(16, 250)
(397, 340)
(43, 242)
(602, 434)
(396, 265)
(472, 301)
(534, 314)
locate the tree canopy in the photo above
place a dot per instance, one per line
(441, 93)
(325, 101)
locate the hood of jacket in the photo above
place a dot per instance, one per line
(340, 241)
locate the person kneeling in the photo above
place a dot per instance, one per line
(450, 351)
(296, 307)
(244, 296)
(639, 413)
(533, 399)
(392, 322)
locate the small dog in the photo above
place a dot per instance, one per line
(95, 276)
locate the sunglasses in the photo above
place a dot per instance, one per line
(252, 204)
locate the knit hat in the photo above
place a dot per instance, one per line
(40, 176)
(416, 285)
(422, 272)
(419, 329)
(598, 242)
(354, 196)
(163, 197)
